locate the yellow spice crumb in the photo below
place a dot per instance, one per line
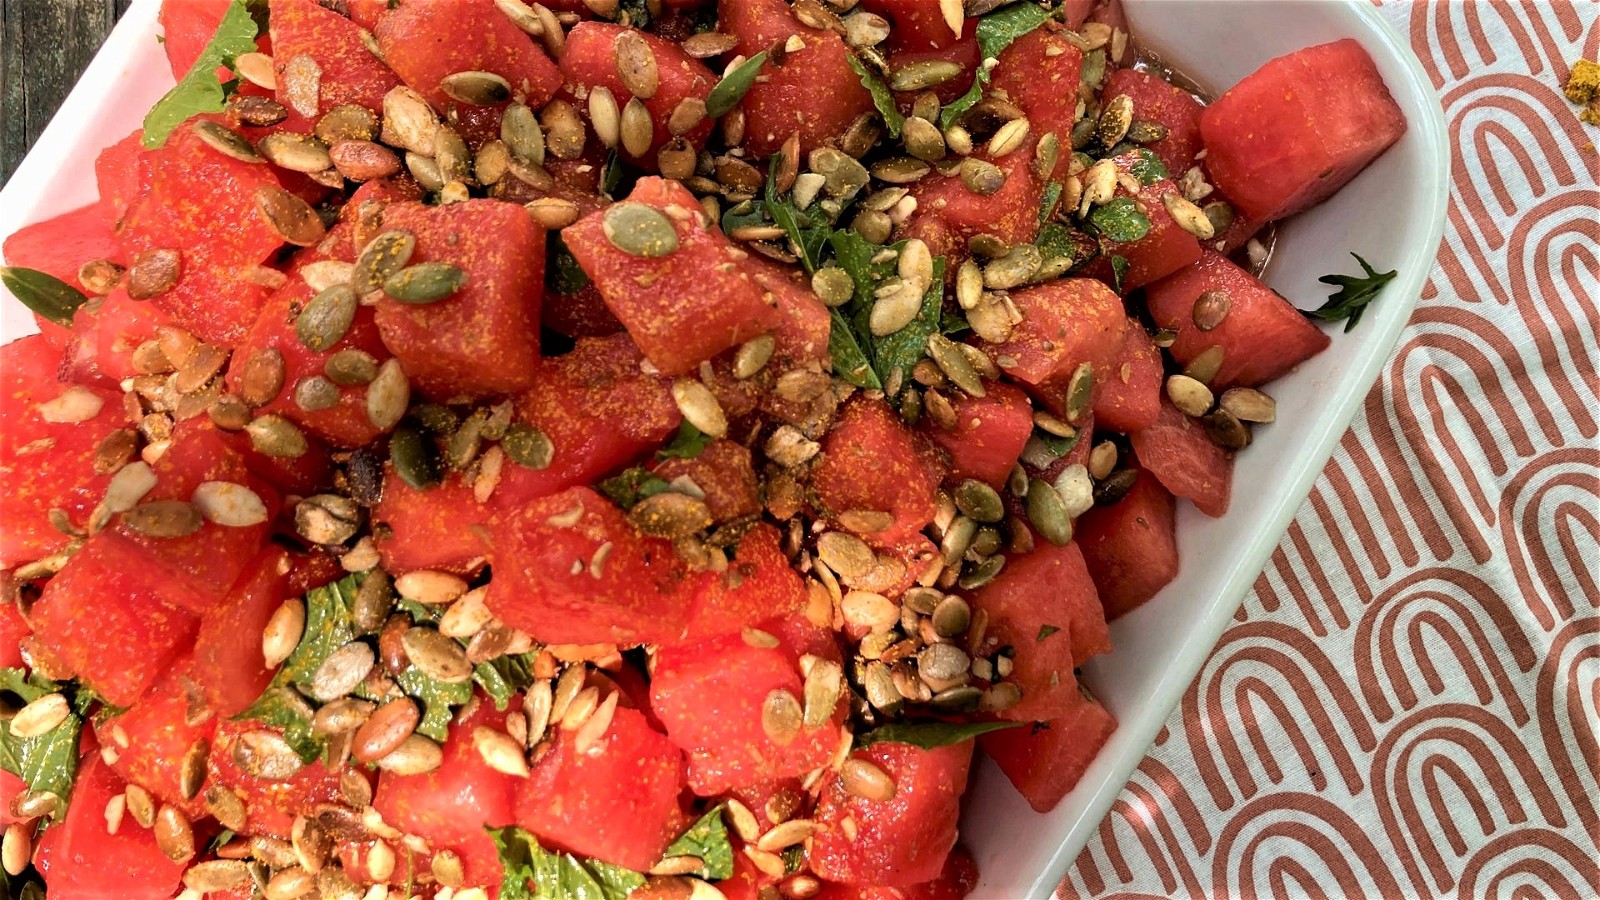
(1583, 86)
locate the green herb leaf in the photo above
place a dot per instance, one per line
(612, 175)
(1120, 220)
(708, 840)
(46, 762)
(1354, 294)
(1149, 169)
(731, 89)
(502, 677)
(1057, 445)
(906, 347)
(689, 443)
(849, 360)
(631, 486)
(1119, 270)
(1048, 200)
(43, 293)
(930, 735)
(534, 872)
(562, 274)
(199, 91)
(1057, 241)
(794, 859)
(996, 32)
(1045, 631)
(803, 229)
(882, 97)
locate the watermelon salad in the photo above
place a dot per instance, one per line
(614, 448)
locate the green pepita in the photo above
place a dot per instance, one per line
(414, 458)
(327, 318)
(528, 446)
(1048, 512)
(351, 367)
(427, 282)
(383, 256)
(225, 140)
(640, 230)
(979, 502)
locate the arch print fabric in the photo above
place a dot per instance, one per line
(1408, 703)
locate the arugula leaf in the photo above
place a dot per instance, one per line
(43, 293)
(849, 360)
(882, 97)
(708, 840)
(731, 89)
(905, 347)
(534, 872)
(996, 32)
(1354, 294)
(328, 627)
(1149, 169)
(46, 762)
(930, 735)
(689, 443)
(199, 91)
(1120, 220)
(631, 486)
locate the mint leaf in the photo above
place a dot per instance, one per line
(1055, 445)
(731, 89)
(562, 274)
(46, 295)
(930, 735)
(1048, 200)
(996, 32)
(689, 443)
(849, 360)
(882, 97)
(1057, 241)
(1119, 270)
(502, 677)
(707, 839)
(905, 347)
(1045, 631)
(46, 762)
(1149, 169)
(534, 872)
(1120, 220)
(1354, 294)
(199, 91)
(631, 486)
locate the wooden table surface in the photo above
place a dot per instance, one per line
(44, 45)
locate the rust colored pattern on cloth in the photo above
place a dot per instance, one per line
(1409, 701)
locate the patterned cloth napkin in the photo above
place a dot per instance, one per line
(1409, 701)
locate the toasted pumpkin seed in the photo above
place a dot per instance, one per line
(388, 395)
(670, 515)
(295, 152)
(327, 318)
(639, 230)
(1189, 217)
(981, 176)
(342, 671)
(384, 256)
(292, 218)
(1189, 395)
(327, 519)
(1048, 512)
(1080, 392)
(781, 717)
(174, 835)
(923, 74)
(225, 140)
(163, 519)
(476, 88)
(153, 273)
(942, 662)
(436, 655)
(427, 282)
(700, 407)
(978, 501)
(955, 365)
(1225, 430)
(605, 116)
(416, 755)
(1249, 405)
(636, 65)
(1210, 309)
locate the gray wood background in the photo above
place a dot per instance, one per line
(44, 45)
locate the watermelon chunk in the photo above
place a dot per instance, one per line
(724, 471)
(710, 695)
(150, 740)
(272, 805)
(350, 73)
(13, 629)
(687, 306)
(964, 53)
(1044, 761)
(1040, 73)
(815, 93)
(81, 861)
(804, 324)
(917, 24)
(637, 592)
(1177, 452)
(600, 411)
(1127, 393)
(426, 40)
(1261, 337)
(1010, 214)
(589, 59)
(186, 27)
(897, 842)
(1165, 247)
(1043, 605)
(452, 805)
(758, 584)
(871, 461)
(439, 528)
(121, 173)
(105, 335)
(228, 662)
(61, 245)
(989, 435)
(484, 339)
(1163, 103)
(1131, 546)
(1064, 324)
(1293, 132)
(616, 801)
(959, 878)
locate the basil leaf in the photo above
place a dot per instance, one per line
(631, 486)
(731, 89)
(905, 347)
(996, 32)
(930, 735)
(534, 872)
(1354, 294)
(45, 762)
(707, 839)
(882, 97)
(1149, 169)
(199, 91)
(1120, 220)
(689, 443)
(849, 360)
(43, 293)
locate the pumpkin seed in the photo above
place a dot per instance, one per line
(327, 519)
(408, 121)
(1210, 309)
(1080, 392)
(385, 730)
(416, 755)
(521, 16)
(1205, 365)
(423, 283)
(295, 152)
(1048, 512)
(228, 504)
(824, 685)
(981, 177)
(1189, 395)
(301, 84)
(869, 610)
(1225, 430)
(1220, 215)
(476, 88)
(40, 716)
(1114, 121)
(273, 435)
(1249, 405)
(923, 139)
(225, 140)
(1013, 269)
(1115, 487)
(437, 656)
(351, 367)
(895, 311)
(833, 286)
(383, 257)
(341, 672)
(636, 65)
(670, 515)
(862, 778)
(262, 377)
(639, 230)
(781, 717)
(951, 616)
(327, 318)
(266, 755)
(174, 835)
(163, 519)
(283, 632)
(153, 273)
(292, 218)
(1189, 217)
(605, 115)
(978, 501)
(388, 395)
(942, 662)
(955, 365)
(923, 74)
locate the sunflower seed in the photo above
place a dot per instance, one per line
(1249, 405)
(595, 725)
(781, 717)
(466, 616)
(476, 88)
(153, 273)
(1189, 217)
(228, 504)
(293, 220)
(923, 74)
(862, 778)
(408, 121)
(869, 610)
(295, 152)
(1008, 138)
(40, 716)
(73, 405)
(845, 554)
(605, 116)
(273, 435)
(266, 755)
(341, 715)
(416, 755)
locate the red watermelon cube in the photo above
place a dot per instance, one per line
(350, 73)
(1294, 131)
(1010, 214)
(148, 742)
(187, 26)
(1040, 73)
(1130, 546)
(426, 40)
(725, 473)
(901, 841)
(989, 435)
(1177, 452)
(616, 801)
(917, 24)
(1127, 393)
(1159, 101)
(104, 336)
(1261, 337)
(589, 59)
(442, 527)
(686, 306)
(272, 805)
(121, 173)
(228, 662)
(59, 246)
(804, 324)
(871, 461)
(1045, 760)
(1163, 249)
(570, 569)
(484, 339)
(80, 860)
(1065, 323)
(758, 584)
(815, 93)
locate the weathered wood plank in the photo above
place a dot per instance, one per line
(44, 45)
